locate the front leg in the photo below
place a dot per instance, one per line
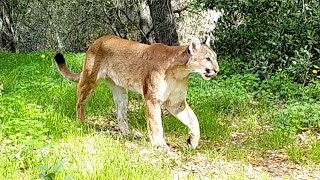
(188, 117)
(153, 115)
(184, 113)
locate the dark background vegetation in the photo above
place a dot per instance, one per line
(267, 37)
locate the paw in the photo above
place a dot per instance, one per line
(124, 131)
(81, 118)
(160, 145)
(123, 127)
(193, 142)
(163, 148)
(136, 134)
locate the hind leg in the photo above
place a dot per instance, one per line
(84, 89)
(120, 98)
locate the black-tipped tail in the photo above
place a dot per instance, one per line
(59, 58)
(63, 69)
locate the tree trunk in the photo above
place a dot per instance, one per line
(60, 43)
(163, 20)
(8, 25)
(1, 32)
(147, 34)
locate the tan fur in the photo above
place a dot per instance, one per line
(158, 72)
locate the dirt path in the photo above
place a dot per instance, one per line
(275, 165)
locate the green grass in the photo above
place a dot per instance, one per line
(40, 137)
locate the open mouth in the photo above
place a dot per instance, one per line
(209, 73)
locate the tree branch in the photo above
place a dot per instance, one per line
(74, 27)
(181, 9)
(135, 25)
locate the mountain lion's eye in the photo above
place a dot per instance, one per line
(208, 59)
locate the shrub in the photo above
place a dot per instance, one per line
(312, 91)
(298, 117)
(279, 86)
(267, 37)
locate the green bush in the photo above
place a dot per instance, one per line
(298, 117)
(312, 91)
(266, 37)
(280, 87)
(283, 87)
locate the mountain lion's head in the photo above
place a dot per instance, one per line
(203, 59)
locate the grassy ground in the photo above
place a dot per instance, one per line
(40, 137)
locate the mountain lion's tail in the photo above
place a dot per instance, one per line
(63, 69)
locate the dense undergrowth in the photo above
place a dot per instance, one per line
(268, 37)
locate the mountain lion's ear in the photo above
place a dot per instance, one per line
(194, 45)
(207, 41)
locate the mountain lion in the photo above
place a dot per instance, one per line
(158, 72)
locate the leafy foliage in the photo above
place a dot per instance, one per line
(49, 173)
(266, 37)
(299, 116)
(64, 24)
